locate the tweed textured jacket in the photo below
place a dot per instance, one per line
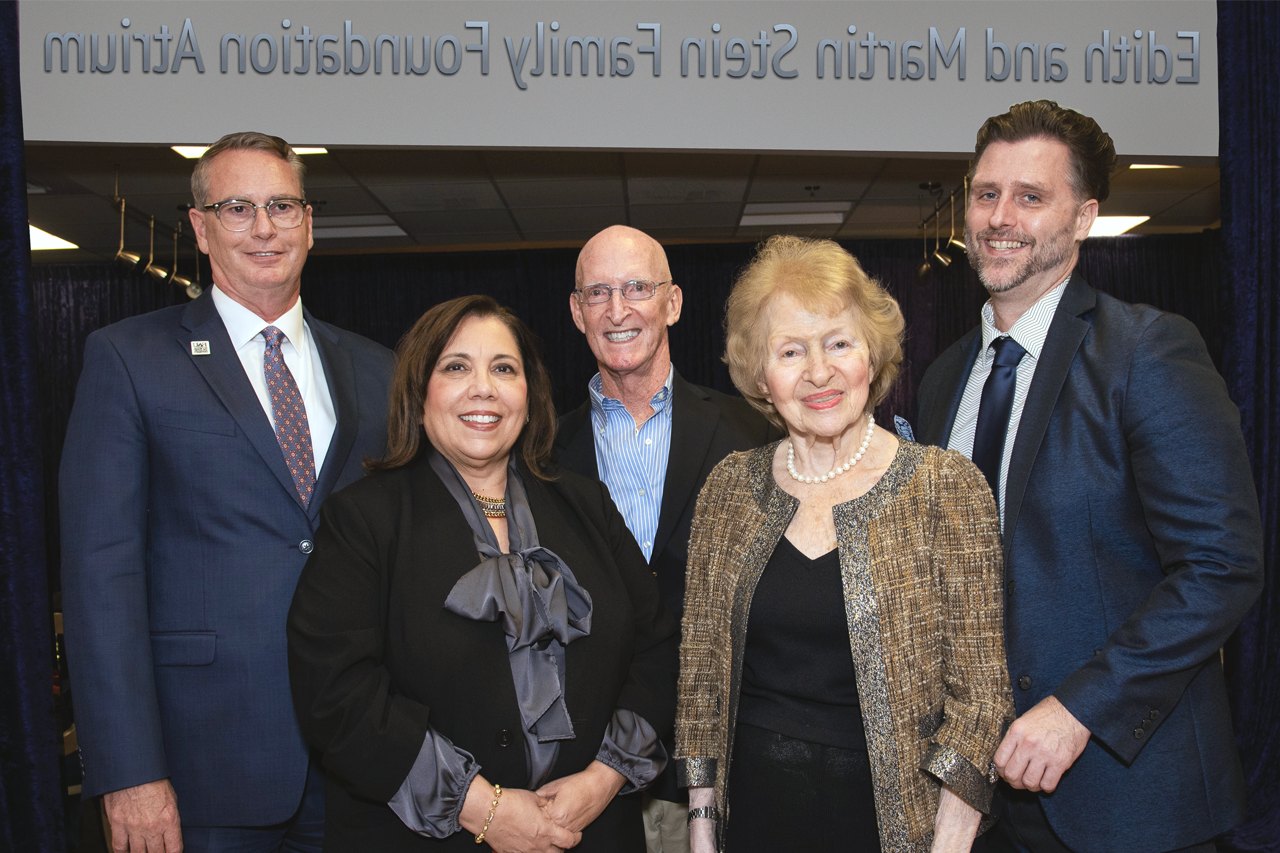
(920, 564)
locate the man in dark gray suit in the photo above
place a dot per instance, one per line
(203, 439)
(649, 435)
(1132, 538)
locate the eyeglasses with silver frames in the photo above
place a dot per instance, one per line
(238, 215)
(636, 290)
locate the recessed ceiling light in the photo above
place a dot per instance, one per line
(194, 152)
(1111, 226)
(42, 240)
(1152, 166)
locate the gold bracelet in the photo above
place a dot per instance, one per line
(493, 808)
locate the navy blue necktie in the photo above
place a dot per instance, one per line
(993, 414)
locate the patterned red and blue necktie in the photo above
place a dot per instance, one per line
(290, 415)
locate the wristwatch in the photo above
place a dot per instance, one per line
(704, 811)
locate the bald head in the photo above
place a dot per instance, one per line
(627, 336)
(622, 242)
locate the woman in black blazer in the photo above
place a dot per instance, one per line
(476, 645)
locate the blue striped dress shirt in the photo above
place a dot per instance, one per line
(633, 462)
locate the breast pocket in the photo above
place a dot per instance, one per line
(184, 648)
(214, 423)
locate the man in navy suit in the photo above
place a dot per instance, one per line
(649, 435)
(203, 440)
(1132, 538)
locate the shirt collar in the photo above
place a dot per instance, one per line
(243, 325)
(1031, 328)
(660, 402)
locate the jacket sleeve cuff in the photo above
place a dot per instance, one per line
(955, 771)
(695, 772)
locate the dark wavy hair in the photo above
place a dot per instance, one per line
(1093, 154)
(416, 357)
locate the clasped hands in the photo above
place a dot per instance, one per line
(546, 820)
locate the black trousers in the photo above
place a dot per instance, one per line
(787, 794)
(1023, 828)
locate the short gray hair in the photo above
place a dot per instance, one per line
(244, 141)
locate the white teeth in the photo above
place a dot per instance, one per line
(1005, 244)
(620, 337)
(481, 419)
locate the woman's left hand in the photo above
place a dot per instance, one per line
(956, 824)
(578, 799)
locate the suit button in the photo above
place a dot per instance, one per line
(1025, 682)
(306, 546)
(1010, 586)
(1155, 715)
(1139, 733)
(505, 738)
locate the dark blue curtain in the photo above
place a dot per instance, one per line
(380, 296)
(30, 795)
(1249, 153)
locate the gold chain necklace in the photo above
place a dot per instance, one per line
(491, 507)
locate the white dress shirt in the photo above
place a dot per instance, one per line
(245, 330)
(1030, 332)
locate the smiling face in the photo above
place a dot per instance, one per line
(627, 337)
(476, 396)
(817, 369)
(264, 263)
(1025, 225)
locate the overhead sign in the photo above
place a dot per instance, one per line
(709, 74)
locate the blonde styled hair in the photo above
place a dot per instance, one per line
(821, 276)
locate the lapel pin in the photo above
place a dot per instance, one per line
(199, 347)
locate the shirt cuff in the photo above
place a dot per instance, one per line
(430, 798)
(632, 747)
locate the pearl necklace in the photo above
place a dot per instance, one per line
(839, 469)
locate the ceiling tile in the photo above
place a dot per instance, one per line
(458, 222)
(685, 190)
(587, 219)
(438, 196)
(646, 216)
(586, 192)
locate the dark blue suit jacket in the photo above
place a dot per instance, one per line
(182, 541)
(1132, 545)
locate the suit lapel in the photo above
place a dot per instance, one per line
(340, 377)
(222, 369)
(576, 445)
(957, 382)
(1066, 333)
(693, 423)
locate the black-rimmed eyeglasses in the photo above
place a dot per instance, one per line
(636, 290)
(238, 215)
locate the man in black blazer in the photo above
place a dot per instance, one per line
(1132, 538)
(649, 435)
(203, 439)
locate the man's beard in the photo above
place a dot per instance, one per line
(1042, 256)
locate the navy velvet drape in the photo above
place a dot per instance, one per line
(1249, 154)
(30, 796)
(380, 296)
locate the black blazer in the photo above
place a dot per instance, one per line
(375, 658)
(1132, 545)
(706, 426)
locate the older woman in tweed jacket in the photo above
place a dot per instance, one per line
(915, 586)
